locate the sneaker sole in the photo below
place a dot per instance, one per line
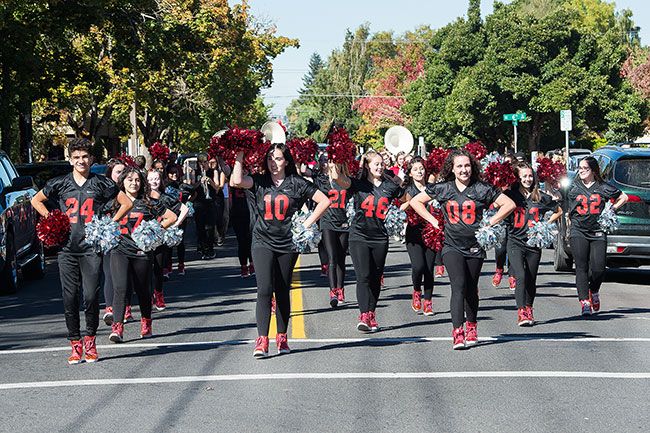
(145, 336)
(108, 319)
(259, 354)
(116, 338)
(429, 313)
(363, 327)
(459, 346)
(284, 351)
(418, 311)
(91, 360)
(160, 308)
(75, 362)
(471, 343)
(334, 302)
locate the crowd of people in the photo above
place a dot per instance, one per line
(260, 208)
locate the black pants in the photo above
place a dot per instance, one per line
(205, 217)
(220, 207)
(464, 273)
(158, 266)
(501, 254)
(336, 245)
(80, 273)
(322, 253)
(438, 259)
(422, 267)
(590, 257)
(108, 282)
(368, 260)
(180, 250)
(137, 272)
(241, 226)
(273, 272)
(524, 263)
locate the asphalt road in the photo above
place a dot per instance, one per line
(198, 373)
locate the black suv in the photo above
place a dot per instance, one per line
(627, 168)
(20, 249)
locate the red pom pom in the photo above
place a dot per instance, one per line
(477, 150)
(354, 167)
(341, 149)
(255, 159)
(549, 171)
(433, 237)
(54, 230)
(233, 141)
(126, 160)
(413, 218)
(159, 151)
(436, 160)
(499, 174)
(303, 150)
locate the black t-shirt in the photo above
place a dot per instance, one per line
(463, 212)
(239, 206)
(202, 188)
(168, 201)
(274, 207)
(370, 206)
(525, 214)
(141, 211)
(80, 203)
(335, 218)
(585, 206)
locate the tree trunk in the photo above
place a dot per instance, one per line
(5, 110)
(26, 133)
(535, 134)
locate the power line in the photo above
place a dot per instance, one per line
(333, 95)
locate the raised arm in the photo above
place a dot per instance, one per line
(238, 179)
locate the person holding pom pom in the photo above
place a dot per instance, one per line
(279, 193)
(586, 199)
(371, 195)
(532, 205)
(129, 263)
(80, 195)
(463, 198)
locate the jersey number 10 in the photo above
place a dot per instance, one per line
(275, 208)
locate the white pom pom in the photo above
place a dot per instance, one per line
(148, 235)
(304, 238)
(102, 233)
(488, 236)
(173, 236)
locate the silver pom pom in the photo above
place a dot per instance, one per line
(349, 211)
(490, 237)
(304, 238)
(149, 235)
(608, 219)
(542, 234)
(102, 233)
(491, 157)
(190, 206)
(173, 236)
(395, 222)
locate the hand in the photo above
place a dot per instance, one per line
(240, 156)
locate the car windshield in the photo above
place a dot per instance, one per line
(633, 172)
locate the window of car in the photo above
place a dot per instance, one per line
(4, 173)
(605, 164)
(633, 172)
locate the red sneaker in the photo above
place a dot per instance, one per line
(117, 332)
(364, 323)
(416, 301)
(108, 316)
(531, 318)
(471, 335)
(90, 348)
(372, 318)
(522, 317)
(341, 295)
(159, 301)
(251, 269)
(381, 281)
(273, 304)
(334, 299)
(181, 269)
(586, 307)
(324, 269)
(245, 273)
(440, 271)
(77, 351)
(281, 342)
(594, 298)
(458, 337)
(427, 307)
(145, 328)
(496, 279)
(128, 316)
(261, 347)
(512, 282)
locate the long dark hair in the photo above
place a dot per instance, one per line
(595, 168)
(110, 165)
(291, 164)
(535, 194)
(144, 192)
(408, 180)
(447, 172)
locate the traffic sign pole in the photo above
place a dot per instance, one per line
(566, 125)
(514, 124)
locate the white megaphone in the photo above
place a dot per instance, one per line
(219, 133)
(274, 133)
(398, 139)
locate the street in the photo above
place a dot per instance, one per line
(566, 373)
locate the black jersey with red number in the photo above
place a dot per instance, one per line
(239, 206)
(141, 211)
(413, 233)
(370, 206)
(586, 204)
(525, 214)
(463, 212)
(335, 218)
(274, 207)
(80, 203)
(169, 202)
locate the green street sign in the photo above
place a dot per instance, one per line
(514, 117)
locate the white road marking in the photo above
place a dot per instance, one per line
(330, 376)
(376, 340)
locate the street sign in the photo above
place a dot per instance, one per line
(514, 117)
(566, 120)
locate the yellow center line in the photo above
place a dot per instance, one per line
(297, 324)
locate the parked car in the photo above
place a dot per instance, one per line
(21, 253)
(627, 168)
(41, 172)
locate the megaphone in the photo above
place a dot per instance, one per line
(219, 133)
(398, 139)
(274, 133)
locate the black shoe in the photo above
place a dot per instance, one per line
(210, 256)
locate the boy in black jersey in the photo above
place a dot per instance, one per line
(80, 194)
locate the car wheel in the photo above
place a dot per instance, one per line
(35, 270)
(9, 274)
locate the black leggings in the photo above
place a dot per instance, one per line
(368, 260)
(80, 273)
(137, 272)
(501, 254)
(241, 226)
(524, 263)
(438, 259)
(273, 272)
(322, 253)
(108, 282)
(180, 250)
(336, 245)
(205, 217)
(464, 273)
(158, 266)
(422, 266)
(590, 257)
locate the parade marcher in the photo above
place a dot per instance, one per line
(176, 189)
(241, 224)
(586, 199)
(372, 194)
(531, 206)
(80, 195)
(129, 264)
(279, 193)
(219, 200)
(205, 208)
(463, 197)
(501, 252)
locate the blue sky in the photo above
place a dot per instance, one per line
(320, 26)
